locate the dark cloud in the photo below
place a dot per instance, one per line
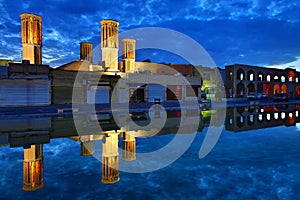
(259, 32)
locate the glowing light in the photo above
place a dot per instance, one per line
(269, 116)
(283, 115)
(275, 115)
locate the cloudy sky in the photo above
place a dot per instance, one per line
(256, 32)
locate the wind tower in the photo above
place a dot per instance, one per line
(86, 51)
(128, 55)
(110, 43)
(31, 29)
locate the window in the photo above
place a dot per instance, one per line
(241, 119)
(251, 77)
(282, 79)
(241, 76)
(230, 75)
(251, 118)
(282, 115)
(268, 78)
(260, 77)
(296, 79)
(275, 115)
(290, 79)
(276, 78)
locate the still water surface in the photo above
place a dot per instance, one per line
(256, 157)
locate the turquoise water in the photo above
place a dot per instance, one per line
(257, 164)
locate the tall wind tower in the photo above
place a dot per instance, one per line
(86, 51)
(31, 29)
(128, 55)
(110, 43)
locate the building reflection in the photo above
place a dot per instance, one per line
(128, 147)
(110, 159)
(87, 148)
(32, 136)
(33, 168)
(258, 117)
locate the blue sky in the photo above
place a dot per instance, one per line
(256, 32)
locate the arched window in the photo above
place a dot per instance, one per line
(283, 115)
(268, 116)
(240, 74)
(268, 78)
(282, 79)
(230, 121)
(296, 79)
(251, 75)
(260, 117)
(241, 119)
(260, 76)
(276, 78)
(291, 76)
(230, 75)
(275, 115)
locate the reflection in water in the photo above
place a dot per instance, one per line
(257, 117)
(110, 159)
(87, 148)
(33, 168)
(34, 136)
(128, 147)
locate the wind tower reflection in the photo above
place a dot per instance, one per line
(128, 147)
(110, 159)
(33, 168)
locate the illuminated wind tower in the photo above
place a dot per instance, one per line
(110, 159)
(31, 29)
(33, 168)
(86, 51)
(110, 43)
(128, 54)
(128, 147)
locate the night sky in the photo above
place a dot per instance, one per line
(255, 32)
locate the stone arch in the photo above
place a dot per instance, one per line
(291, 76)
(277, 89)
(260, 118)
(251, 88)
(240, 121)
(240, 90)
(260, 76)
(240, 75)
(251, 75)
(284, 88)
(269, 77)
(251, 120)
(230, 75)
(276, 77)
